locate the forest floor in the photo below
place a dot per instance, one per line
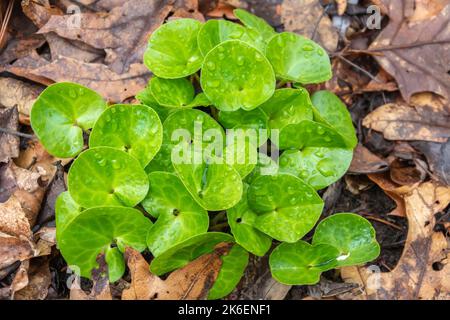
(391, 66)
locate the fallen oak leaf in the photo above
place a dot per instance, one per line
(20, 47)
(438, 158)
(9, 143)
(415, 53)
(32, 280)
(364, 161)
(39, 11)
(123, 32)
(414, 277)
(188, 283)
(99, 77)
(427, 119)
(307, 18)
(391, 189)
(20, 94)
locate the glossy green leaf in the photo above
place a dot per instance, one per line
(172, 50)
(241, 220)
(330, 110)
(60, 115)
(236, 75)
(242, 154)
(319, 167)
(135, 129)
(231, 272)
(309, 133)
(266, 166)
(116, 263)
(215, 186)
(145, 96)
(66, 209)
(288, 106)
(214, 32)
(255, 23)
(287, 207)
(95, 229)
(295, 58)
(161, 161)
(105, 176)
(190, 249)
(352, 235)
(301, 263)
(179, 216)
(172, 93)
(253, 123)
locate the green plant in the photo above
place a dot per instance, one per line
(180, 166)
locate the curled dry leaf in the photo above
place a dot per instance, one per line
(307, 18)
(392, 189)
(365, 161)
(21, 94)
(188, 283)
(414, 277)
(416, 52)
(35, 282)
(99, 77)
(438, 158)
(9, 143)
(122, 32)
(426, 119)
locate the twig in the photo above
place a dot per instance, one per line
(393, 225)
(5, 20)
(367, 73)
(313, 35)
(17, 133)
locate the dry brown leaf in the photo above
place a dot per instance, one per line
(307, 18)
(100, 288)
(99, 77)
(73, 49)
(122, 33)
(13, 219)
(34, 283)
(438, 158)
(222, 10)
(365, 161)
(39, 11)
(341, 6)
(392, 189)
(426, 119)
(20, 46)
(9, 143)
(414, 276)
(188, 283)
(415, 46)
(14, 92)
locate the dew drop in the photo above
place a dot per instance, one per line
(293, 201)
(320, 131)
(240, 61)
(258, 57)
(221, 49)
(101, 162)
(291, 190)
(307, 47)
(115, 164)
(327, 139)
(113, 110)
(303, 174)
(213, 83)
(325, 167)
(319, 154)
(72, 93)
(320, 52)
(211, 65)
(221, 56)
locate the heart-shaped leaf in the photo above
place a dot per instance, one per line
(66, 209)
(135, 129)
(215, 186)
(95, 230)
(319, 167)
(172, 50)
(179, 216)
(236, 75)
(266, 166)
(145, 96)
(287, 207)
(253, 123)
(258, 25)
(231, 272)
(214, 32)
(60, 115)
(107, 176)
(241, 220)
(116, 263)
(309, 133)
(241, 154)
(301, 263)
(295, 58)
(329, 109)
(188, 250)
(161, 161)
(176, 93)
(352, 235)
